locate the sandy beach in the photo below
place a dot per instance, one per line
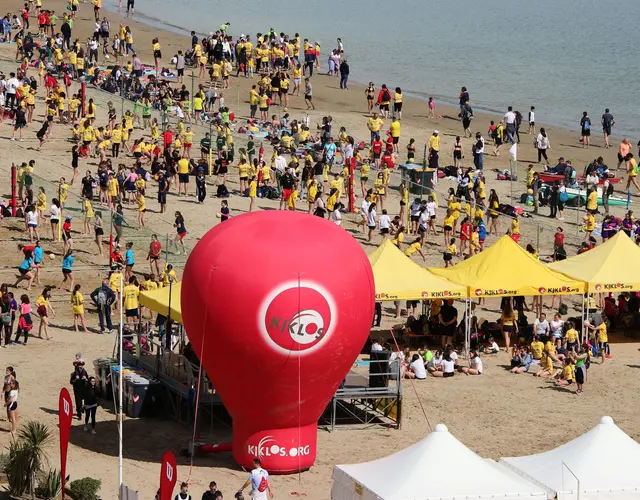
(497, 414)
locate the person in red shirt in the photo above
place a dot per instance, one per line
(155, 247)
(465, 234)
(167, 137)
(41, 22)
(387, 160)
(376, 149)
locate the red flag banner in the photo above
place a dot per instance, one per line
(168, 475)
(65, 415)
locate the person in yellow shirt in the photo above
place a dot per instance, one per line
(398, 240)
(415, 247)
(592, 200)
(434, 149)
(515, 228)
(168, 276)
(130, 295)
(571, 338)
(546, 369)
(374, 124)
(602, 338)
(293, 198)
(589, 225)
(566, 376)
(536, 348)
(632, 171)
(184, 169)
(394, 128)
(253, 192)
(450, 252)
(397, 103)
(77, 308)
(188, 141)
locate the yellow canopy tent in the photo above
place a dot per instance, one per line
(606, 268)
(397, 277)
(505, 269)
(158, 301)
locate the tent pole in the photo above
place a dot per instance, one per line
(583, 319)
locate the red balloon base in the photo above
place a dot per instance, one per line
(281, 451)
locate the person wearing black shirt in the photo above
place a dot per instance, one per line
(210, 494)
(318, 169)
(286, 183)
(448, 320)
(91, 397)
(87, 186)
(78, 380)
(344, 74)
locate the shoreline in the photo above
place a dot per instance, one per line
(480, 109)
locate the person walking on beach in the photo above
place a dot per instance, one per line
(434, 149)
(608, 122)
(308, 94)
(103, 297)
(585, 129)
(510, 124)
(344, 75)
(542, 143)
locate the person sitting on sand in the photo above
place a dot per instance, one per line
(546, 369)
(475, 364)
(416, 368)
(493, 347)
(523, 361)
(435, 363)
(566, 376)
(448, 366)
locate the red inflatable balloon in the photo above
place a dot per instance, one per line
(283, 302)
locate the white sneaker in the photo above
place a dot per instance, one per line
(93, 431)
(86, 428)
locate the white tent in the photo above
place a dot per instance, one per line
(437, 468)
(602, 464)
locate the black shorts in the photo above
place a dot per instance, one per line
(448, 374)
(384, 230)
(498, 141)
(448, 228)
(402, 203)
(99, 231)
(364, 179)
(157, 54)
(457, 155)
(620, 158)
(415, 218)
(183, 178)
(162, 198)
(396, 139)
(580, 374)
(586, 133)
(447, 257)
(606, 130)
(397, 106)
(66, 271)
(154, 257)
(181, 72)
(13, 406)
(507, 328)
(23, 271)
(384, 107)
(131, 313)
(308, 97)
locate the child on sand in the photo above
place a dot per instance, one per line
(450, 252)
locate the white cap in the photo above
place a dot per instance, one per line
(436, 132)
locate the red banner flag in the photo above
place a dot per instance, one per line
(65, 415)
(168, 475)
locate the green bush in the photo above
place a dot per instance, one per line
(49, 485)
(84, 489)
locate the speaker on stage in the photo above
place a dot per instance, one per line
(379, 368)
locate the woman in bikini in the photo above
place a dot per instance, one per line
(370, 92)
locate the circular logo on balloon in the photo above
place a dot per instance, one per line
(297, 317)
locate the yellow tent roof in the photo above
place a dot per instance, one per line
(397, 277)
(504, 269)
(607, 267)
(158, 301)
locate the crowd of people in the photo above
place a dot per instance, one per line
(302, 165)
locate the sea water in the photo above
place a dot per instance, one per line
(561, 56)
